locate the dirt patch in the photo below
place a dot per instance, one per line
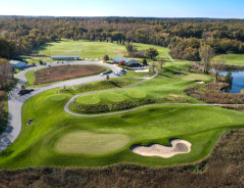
(174, 97)
(121, 53)
(65, 72)
(177, 147)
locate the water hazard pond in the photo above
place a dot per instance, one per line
(237, 83)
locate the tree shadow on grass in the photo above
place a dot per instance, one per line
(116, 85)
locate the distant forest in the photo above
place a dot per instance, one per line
(182, 36)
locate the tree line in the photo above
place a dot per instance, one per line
(182, 36)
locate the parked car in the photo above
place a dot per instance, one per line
(123, 71)
(105, 73)
(25, 91)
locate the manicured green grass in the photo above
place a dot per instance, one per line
(56, 97)
(166, 87)
(115, 97)
(92, 49)
(233, 59)
(136, 94)
(162, 51)
(194, 77)
(91, 99)
(30, 78)
(37, 143)
(91, 143)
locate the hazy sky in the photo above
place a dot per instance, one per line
(135, 8)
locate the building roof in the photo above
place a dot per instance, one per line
(15, 62)
(118, 59)
(61, 56)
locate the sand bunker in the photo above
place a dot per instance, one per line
(177, 147)
(199, 82)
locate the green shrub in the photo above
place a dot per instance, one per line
(110, 107)
(103, 85)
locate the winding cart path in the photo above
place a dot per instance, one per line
(15, 101)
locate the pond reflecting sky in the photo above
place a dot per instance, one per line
(237, 83)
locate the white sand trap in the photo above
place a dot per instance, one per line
(199, 82)
(177, 147)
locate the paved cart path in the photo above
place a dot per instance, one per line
(15, 101)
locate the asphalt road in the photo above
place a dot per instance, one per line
(15, 101)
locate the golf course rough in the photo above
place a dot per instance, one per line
(83, 142)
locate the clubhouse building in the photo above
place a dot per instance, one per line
(128, 62)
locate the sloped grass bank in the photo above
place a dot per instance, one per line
(35, 146)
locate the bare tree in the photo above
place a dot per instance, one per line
(161, 62)
(107, 77)
(206, 53)
(6, 73)
(153, 66)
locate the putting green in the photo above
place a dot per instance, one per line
(88, 99)
(57, 97)
(194, 77)
(137, 94)
(115, 97)
(91, 143)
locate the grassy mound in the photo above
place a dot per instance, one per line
(137, 94)
(194, 77)
(88, 99)
(115, 98)
(91, 143)
(57, 97)
(100, 85)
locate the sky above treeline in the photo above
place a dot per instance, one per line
(127, 8)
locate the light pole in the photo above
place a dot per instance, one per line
(49, 51)
(116, 49)
(83, 52)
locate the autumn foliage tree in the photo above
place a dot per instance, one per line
(161, 62)
(206, 53)
(151, 53)
(105, 58)
(6, 74)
